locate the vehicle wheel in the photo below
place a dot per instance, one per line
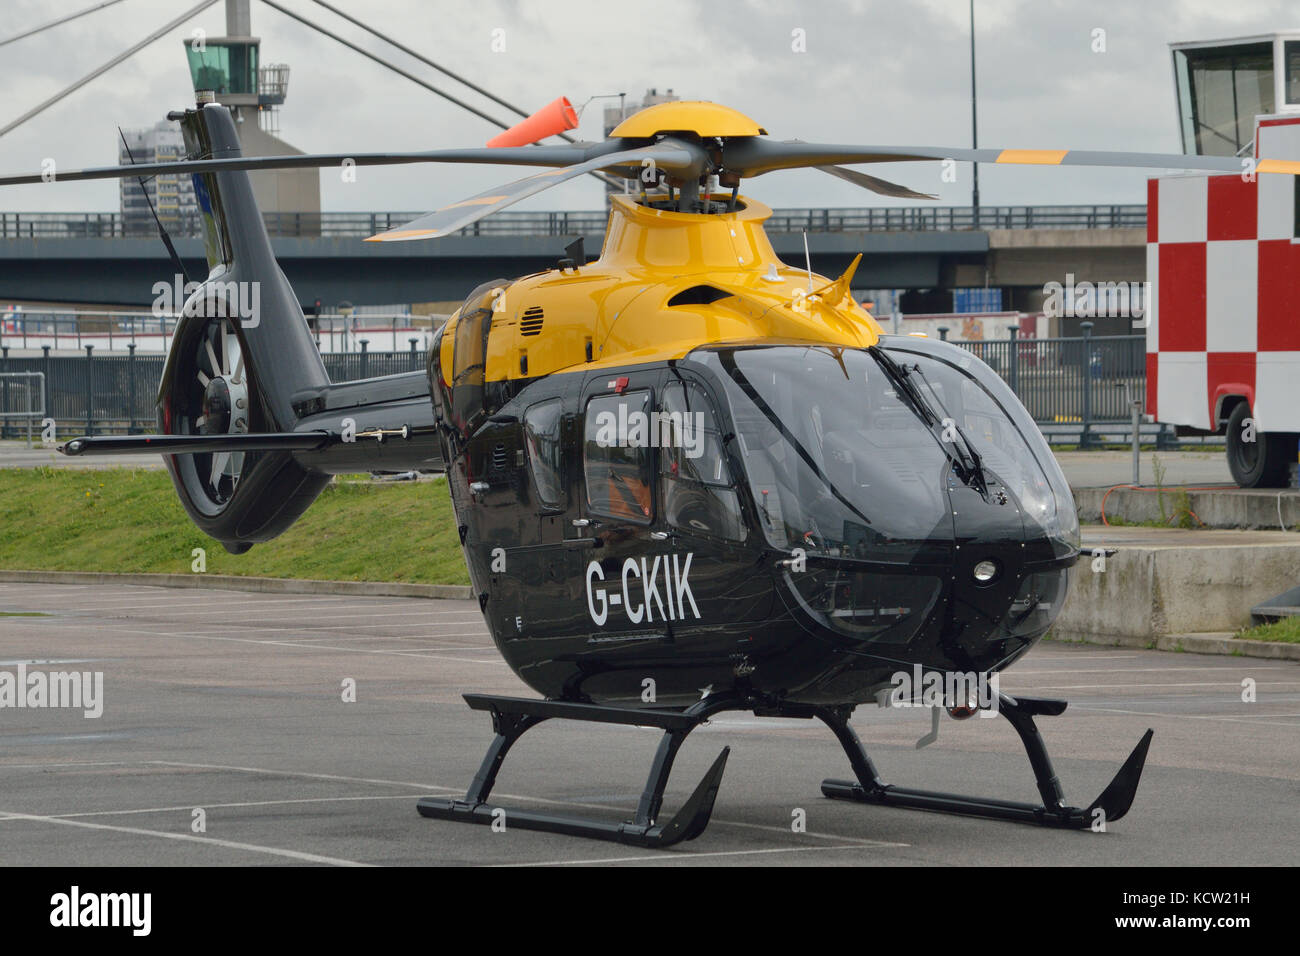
(1262, 463)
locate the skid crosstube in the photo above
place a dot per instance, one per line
(514, 716)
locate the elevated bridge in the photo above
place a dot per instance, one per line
(96, 258)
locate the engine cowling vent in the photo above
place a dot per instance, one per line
(530, 323)
(698, 295)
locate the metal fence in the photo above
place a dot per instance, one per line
(22, 398)
(110, 225)
(113, 394)
(1078, 388)
(1069, 385)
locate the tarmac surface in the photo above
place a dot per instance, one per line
(232, 703)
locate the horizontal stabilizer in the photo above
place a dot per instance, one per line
(192, 444)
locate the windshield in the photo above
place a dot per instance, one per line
(1009, 444)
(825, 441)
(842, 462)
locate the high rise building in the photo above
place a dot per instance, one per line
(172, 195)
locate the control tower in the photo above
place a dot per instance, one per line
(1222, 85)
(230, 67)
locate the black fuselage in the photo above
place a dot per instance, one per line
(813, 535)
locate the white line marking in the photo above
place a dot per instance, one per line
(225, 806)
(1123, 687)
(652, 857)
(185, 837)
(1236, 662)
(322, 647)
(1180, 716)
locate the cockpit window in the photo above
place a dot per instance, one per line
(697, 489)
(848, 454)
(546, 452)
(618, 455)
(837, 463)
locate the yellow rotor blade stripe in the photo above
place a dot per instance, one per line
(481, 201)
(1033, 157)
(403, 234)
(1278, 166)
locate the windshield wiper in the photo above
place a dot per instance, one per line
(906, 390)
(976, 465)
(964, 456)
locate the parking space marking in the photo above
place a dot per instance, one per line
(6, 815)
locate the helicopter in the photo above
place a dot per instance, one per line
(687, 477)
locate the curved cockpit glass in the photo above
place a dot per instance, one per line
(993, 420)
(825, 440)
(849, 452)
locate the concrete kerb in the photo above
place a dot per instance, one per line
(1269, 509)
(1221, 643)
(232, 582)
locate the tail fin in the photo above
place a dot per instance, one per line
(243, 272)
(242, 350)
(245, 381)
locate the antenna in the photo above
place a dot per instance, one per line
(807, 259)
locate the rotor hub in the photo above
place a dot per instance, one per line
(217, 407)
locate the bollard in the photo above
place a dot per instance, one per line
(1135, 408)
(1085, 436)
(45, 381)
(90, 390)
(130, 387)
(1013, 363)
(4, 395)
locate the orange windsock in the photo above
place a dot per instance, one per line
(553, 118)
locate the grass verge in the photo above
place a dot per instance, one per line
(1286, 631)
(128, 520)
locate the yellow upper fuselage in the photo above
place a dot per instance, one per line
(719, 270)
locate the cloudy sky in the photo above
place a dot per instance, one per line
(874, 71)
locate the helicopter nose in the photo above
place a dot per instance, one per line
(1006, 587)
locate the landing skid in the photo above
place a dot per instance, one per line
(1113, 803)
(512, 717)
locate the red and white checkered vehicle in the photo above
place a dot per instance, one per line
(1223, 336)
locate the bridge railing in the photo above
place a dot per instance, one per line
(72, 330)
(110, 225)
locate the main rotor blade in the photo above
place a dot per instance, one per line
(754, 156)
(876, 185)
(677, 159)
(501, 156)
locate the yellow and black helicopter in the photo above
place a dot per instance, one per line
(688, 478)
